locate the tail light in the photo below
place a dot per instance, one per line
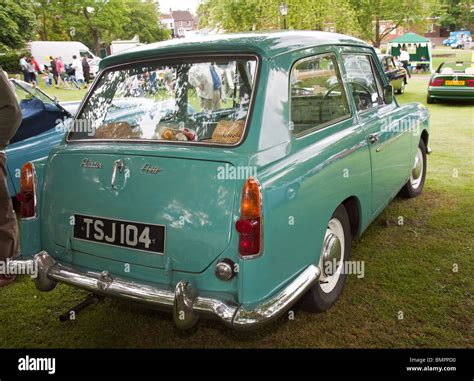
(27, 195)
(437, 82)
(470, 82)
(250, 222)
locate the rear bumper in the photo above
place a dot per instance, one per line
(184, 301)
(438, 92)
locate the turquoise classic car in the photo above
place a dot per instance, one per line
(239, 208)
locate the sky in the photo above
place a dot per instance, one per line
(165, 5)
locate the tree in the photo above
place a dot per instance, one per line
(95, 21)
(246, 15)
(456, 14)
(50, 20)
(370, 13)
(17, 23)
(143, 21)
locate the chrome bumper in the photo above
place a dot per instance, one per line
(184, 301)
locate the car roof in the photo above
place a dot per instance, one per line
(266, 44)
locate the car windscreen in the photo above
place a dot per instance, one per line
(182, 100)
(25, 91)
(464, 67)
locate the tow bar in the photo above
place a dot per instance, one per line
(88, 301)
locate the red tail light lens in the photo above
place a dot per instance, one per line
(470, 82)
(27, 195)
(249, 224)
(437, 82)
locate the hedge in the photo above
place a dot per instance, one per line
(10, 62)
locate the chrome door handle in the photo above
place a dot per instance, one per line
(373, 138)
(118, 165)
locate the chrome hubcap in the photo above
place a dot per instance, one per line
(417, 171)
(331, 253)
(332, 256)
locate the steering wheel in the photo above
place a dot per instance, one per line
(301, 91)
(325, 97)
(362, 102)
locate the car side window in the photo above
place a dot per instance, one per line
(365, 85)
(318, 97)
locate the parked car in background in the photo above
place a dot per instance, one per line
(396, 74)
(40, 130)
(459, 44)
(238, 207)
(458, 35)
(453, 80)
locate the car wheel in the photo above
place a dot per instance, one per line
(415, 183)
(335, 252)
(429, 100)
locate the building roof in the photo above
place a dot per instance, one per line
(265, 44)
(410, 38)
(182, 16)
(165, 16)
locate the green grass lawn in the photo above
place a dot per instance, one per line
(408, 269)
(62, 94)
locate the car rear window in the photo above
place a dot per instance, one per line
(187, 101)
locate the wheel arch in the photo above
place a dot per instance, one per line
(425, 136)
(353, 208)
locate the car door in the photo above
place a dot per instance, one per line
(388, 140)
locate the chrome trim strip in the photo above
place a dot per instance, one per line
(183, 298)
(390, 141)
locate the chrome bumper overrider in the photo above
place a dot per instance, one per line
(184, 301)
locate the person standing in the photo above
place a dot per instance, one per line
(78, 72)
(24, 68)
(405, 59)
(31, 72)
(10, 118)
(60, 69)
(86, 69)
(208, 84)
(54, 71)
(37, 68)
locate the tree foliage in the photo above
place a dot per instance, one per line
(17, 23)
(457, 14)
(357, 17)
(98, 21)
(370, 13)
(144, 16)
(247, 15)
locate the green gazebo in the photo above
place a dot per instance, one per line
(417, 46)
